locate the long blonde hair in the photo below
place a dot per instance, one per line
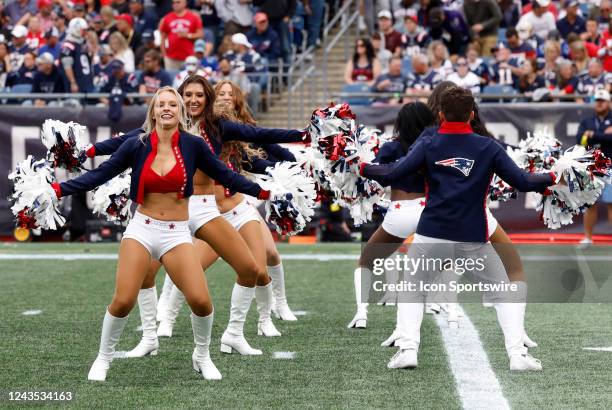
(149, 125)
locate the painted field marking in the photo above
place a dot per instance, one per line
(32, 312)
(283, 355)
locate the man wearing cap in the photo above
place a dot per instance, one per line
(153, 76)
(542, 21)
(264, 39)
(242, 56)
(20, 11)
(518, 48)
(125, 23)
(45, 14)
(143, 19)
(235, 14)
(52, 44)
(119, 80)
(414, 40)
(483, 17)
(202, 50)
(102, 69)
(179, 30)
(280, 13)
(393, 38)
(78, 10)
(75, 61)
(597, 131)
(572, 22)
(148, 43)
(18, 46)
(47, 78)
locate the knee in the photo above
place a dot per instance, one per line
(148, 282)
(121, 306)
(273, 257)
(200, 305)
(263, 280)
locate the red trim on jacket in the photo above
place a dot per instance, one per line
(449, 127)
(91, 151)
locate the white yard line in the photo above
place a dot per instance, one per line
(476, 383)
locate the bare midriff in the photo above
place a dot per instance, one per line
(165, 207)
(203, 184)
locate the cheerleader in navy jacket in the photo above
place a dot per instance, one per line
(163, 161)
(458, 168)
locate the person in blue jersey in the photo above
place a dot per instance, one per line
(422, 79)
(458, 168)
(404, 211)
(414, 39)
(595, 79)
(163, 158)
(75, 62)
(47, 78)
(477, 65)
(505, 69)
(206, 222)
(394, 81)
(119, 81)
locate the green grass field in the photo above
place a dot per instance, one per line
(334, 367)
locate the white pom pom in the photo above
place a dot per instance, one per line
(65, 142)
(35, 204)
(112, 199)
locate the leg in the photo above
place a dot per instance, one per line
(251, 232)
(609, 206)
(184, 268)
(131, 270)
(590, 219)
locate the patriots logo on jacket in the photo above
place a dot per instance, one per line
(462, 164)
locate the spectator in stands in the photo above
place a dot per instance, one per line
(315, 10)
(595, 79)
(120, 6)
(571, 22)
(382, 54)
(391, 82)
(52, 44)
(148, 43)
(35, 38)
(209, 63)
(125, 24)
(592, 33)
(450, 27)
(518, 48)
(119, 80)
(226, 73)
(153, 76)
(566, 81)
(45, 14)
(552, 58)
(242, 56)
(144, 19)
(529, 80)
(78, 11)
(363, 67)
(102, 68)
(108, 24)
(579, 55)
(393, 38)
(464, 78)
(92, 45)
(122, 51)
(19, 11)
(542, 20)
(264, 39)
(477, 65)
(19, 46)
(59, 22)
(25, 73)
(192, 67)
(483, 17)
(180, 29)
(510, 13)
(423, 78)
(605, 54)
(597, 131)
(505, 69)
(5, 63)
(75, 61)
(438, 57)
(210, 21)
(414, 39)
(47, 78)
(602, 14)
(279, 14)
(235, 14)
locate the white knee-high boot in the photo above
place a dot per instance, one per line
(233, 338)
(280, 308)
(163, 297)
(147, 305)
(410, 317)
(202, 363)
(361, 317)
(112, 328)
(263, 297)
(173, 308)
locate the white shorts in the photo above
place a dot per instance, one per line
(202, 209)
(241, 214)
(158, 237)
(491, 223)
(403, 217)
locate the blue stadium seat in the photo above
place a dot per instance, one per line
(406, 65)
(501, 34)
(21, 88)
(357, 88)
(499, 89)
(137, 73)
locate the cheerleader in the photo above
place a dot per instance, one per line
(163, 159)
(458, 166)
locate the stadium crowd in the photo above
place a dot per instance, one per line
(538, 48)
(123, 46)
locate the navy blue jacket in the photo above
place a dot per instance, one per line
(392, 151)
(599, 132)
(275, 153)
(133, 153)
(459, 166)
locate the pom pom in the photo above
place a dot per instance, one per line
(539, 150)
(501, 191)
(34, 202)
(112, 199)
(292, 197)
(584, 173)
(66, 144)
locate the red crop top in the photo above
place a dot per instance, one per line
(173, 181)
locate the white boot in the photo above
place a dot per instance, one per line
(202, 329)
(280, 308)
(526, 339)
(173, 308)
(147, 305)
(390, 341)
(410, 317)
(389, 298)
(233, 338)
(360, 320)
(263, 297)
(112, 328)
(510, 318)
(163, 297)
(404, 359)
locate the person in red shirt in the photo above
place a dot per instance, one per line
(179, 30)
(393, 38)
(35, 38)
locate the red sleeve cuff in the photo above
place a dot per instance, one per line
(57, 188)
(554, 177)
(362, 168)
(547, 192)
(91, 151)
(263, 194)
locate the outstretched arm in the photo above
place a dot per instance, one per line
(409, 164)
(108, 146)
(507, 170)
(241, 132)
